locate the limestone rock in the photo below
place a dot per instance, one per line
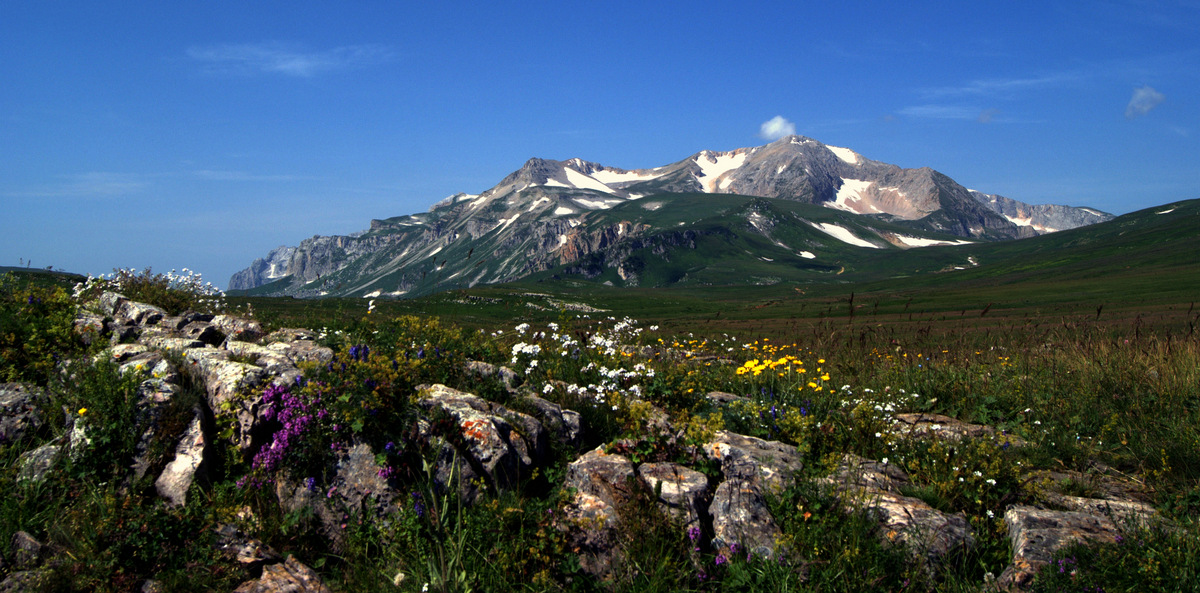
(239, 329)
(500, 446)
(602, 482)
(290, 334)
(921, 425)
(681, 491)
(299, 351)
(724, 399)
(289, 576)
(357, 490)
(243, 549)
(110, 302)
(202, 331)
(565, 425)
(1036, 534)
(224, 381)
(135, 313)
(740, 517)
(36, 464)
(507, 375)
(179, 475)
(20, 411)
(749, 458)
(123, 352)
(89, 327)
(26, 551)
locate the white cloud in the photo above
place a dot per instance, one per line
(1144, 99)
(288, 60)
(775, 128)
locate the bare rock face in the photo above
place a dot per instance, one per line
(224, 381)
(20, 411)
(769, 463)
(1036, 534)
(135, 313)
(236, 328)
(565, 426)
(37, 463)
(741, 519)
(357, 489)
(289, 576)
(602, 483)
(920, 425)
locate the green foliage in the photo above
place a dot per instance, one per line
(35, 330)
(175, 293)
(1158, 557)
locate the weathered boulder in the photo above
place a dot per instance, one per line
(507, 376)
(357, 490)
(290, 334)
(236, 328)
(565, 426)
(741, 519)
(110, 302)
(135, 313)
(289, 576)
(771, 463)
(202, 331)
(122, 352)
(921, 425)
(26, 551)
(37, 463)
(602, 483)
(302, 351)
(497, 445)
(182, 471)
(681, 491)
(226, 384)
(724, 399)
(20, 411)
(89, 327)
(1036, 534)
(243, 549)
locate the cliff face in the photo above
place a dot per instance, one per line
(264, 270)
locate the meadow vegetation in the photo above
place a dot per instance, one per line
(1093, 401)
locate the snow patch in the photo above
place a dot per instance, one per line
(842, 234)
(713, 166)
(1094, 213)
(849, 194)
(610, 176)
(780, 169)
(596, 204)
(920, 242)
(538, 201)
(585, 182)
(371, 295)
(652, 205)
(1166, 211)
(563, 211)
(844, 153)
(808, 255)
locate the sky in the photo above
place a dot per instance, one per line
(202, 135)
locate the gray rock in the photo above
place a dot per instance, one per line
(26, 551)
(602, 483)
(110, 302)
(748, 458)
(500, 446)
(302, 351)
(681, 491)
(740, 517)
(507, 376)
(1036, 534)
(357, 491)
(202, 331)
(243, 549)
(289, 576)
(20, 411)
(920, 425)
(123, 352)
(90, 328)
(182, 471)
(23, 581)
(566, 426)
(290, 334)
(226, 384)
(135, 313)
(724, 399)
(37, 463)
(239, 329)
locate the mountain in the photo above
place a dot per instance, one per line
(794, 200)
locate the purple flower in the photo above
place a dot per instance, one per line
(721, 559)
(693, 533)
(733, 548)
(310, 484)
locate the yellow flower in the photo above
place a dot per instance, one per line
(82, 411)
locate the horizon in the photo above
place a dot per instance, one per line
(146, 135)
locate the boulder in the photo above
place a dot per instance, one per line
(357, 490)
(741, 519)
(507, 376)
(26, 551)
(602, 483)
(1036, 534)
(921, 425)
(302, 351)
(110, 302)
(202, 331)
(236, 328)
(243, 549)
(182, 471)
(681, 491)
(289, 576)
(290, 334)
(565, 426)
(227, 384)
(89, 327)
(20, 411)
(36, 464)
(140, 314)
(771, 463)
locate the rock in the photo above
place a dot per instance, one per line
(302, 351)
(741, 519)
(89, 327)
(500, 446)
(290, 334)
(919, 425)
(135, 313)
(289, 576)
(26, 551)
(1036, 534)
(170, 343)
(202, 331)
(120, 334)
(507, 376)
(565, 426)
(270, 359)
(23, 581)
(724, 399)
(357, 490)
(179, 475)
(36, 464)
(928, 533)
(145, 362)
(770, 462)
(225, 383)
(602, 483)
(20, 411)
(681, 491)
(243, 549)
(123, 352)
(238, 329)
(110, 302)
(1120, 511)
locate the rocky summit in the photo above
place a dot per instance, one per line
(574, 216)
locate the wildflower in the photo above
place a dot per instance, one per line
(82, 411)
(721, 559)
(398, 579)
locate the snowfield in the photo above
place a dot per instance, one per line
(842, 234)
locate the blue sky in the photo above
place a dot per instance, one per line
(202, 135)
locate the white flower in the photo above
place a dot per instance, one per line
(399, 578)
(884, 460)
(990, 514)
(990, 482)
(547, 388)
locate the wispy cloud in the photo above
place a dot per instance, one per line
(285, 59)
(211, 175)
(988, 87)
(1144, 99)
(940, 112)
(95, 184)
(775, 128)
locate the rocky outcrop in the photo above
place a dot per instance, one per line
(20, 411)
(290, 576)
(1036, 534)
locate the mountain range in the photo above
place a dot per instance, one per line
(791, 210)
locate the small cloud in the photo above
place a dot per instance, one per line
(775, 128)
(1144, 99)
(987, 116)
(288, 60)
